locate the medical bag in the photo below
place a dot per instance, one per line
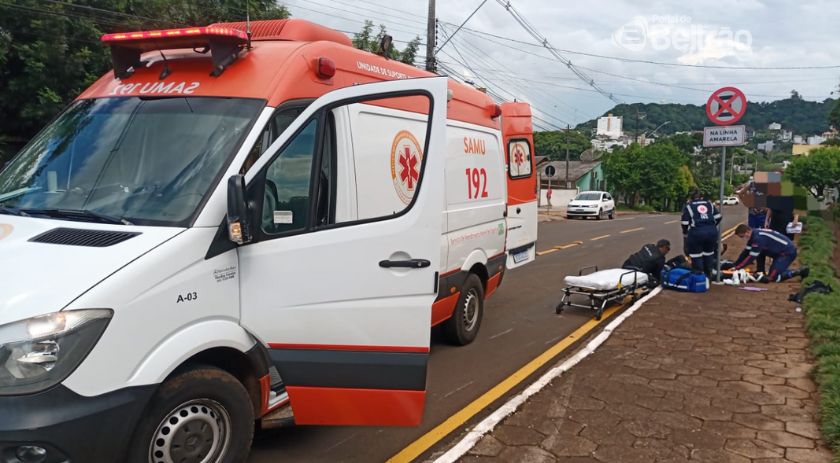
(682, 279)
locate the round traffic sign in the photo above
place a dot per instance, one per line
(726, 106)
(550, 171)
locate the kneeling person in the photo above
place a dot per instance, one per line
(650, 259)
(773, 244)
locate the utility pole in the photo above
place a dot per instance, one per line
(431, 36)
(568, 129)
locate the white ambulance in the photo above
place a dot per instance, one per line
(225, 229)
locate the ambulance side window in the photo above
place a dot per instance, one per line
(519, 158)
(287, 184)
(279, 121)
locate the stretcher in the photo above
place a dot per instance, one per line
(601, 288)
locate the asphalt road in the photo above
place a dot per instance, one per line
(519, 324)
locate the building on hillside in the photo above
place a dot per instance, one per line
(784, 136)
(802, 149)
(816, 140)
(599, 144)
(767, 146)
(774, 126)
(798, 140)
(609, 127)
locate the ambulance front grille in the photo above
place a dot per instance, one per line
(82, 237)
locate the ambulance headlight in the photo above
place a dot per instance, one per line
(40, 352)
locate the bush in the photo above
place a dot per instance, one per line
(823, 322)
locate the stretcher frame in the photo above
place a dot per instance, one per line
(600, 299)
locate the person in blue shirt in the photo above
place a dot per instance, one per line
(772, 244)
(700, 219)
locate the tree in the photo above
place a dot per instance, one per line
(819, 170)
(834, 116)
(365, 40)
(658, 174)
(554, 143)
(50, 51)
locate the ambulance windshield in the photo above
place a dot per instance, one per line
(148, 161)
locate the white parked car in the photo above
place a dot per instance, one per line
(598, 204)
(730, 201)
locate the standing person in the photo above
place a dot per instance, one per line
(772, 244)
(699, 225)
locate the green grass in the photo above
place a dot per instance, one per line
(823, 322)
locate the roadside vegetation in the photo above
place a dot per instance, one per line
(819, 251)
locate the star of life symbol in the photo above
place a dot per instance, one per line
(702, 209)
(406, 160)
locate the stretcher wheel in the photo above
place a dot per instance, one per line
(559, 309)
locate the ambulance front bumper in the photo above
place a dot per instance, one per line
(58, 425)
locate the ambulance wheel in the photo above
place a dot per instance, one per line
(202, 414)
(462, 328)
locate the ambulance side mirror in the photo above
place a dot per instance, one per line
(239, 228)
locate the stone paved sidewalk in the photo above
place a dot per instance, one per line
(716, 377)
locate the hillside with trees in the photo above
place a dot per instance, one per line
(801, 116)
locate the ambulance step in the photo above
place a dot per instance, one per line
(283, 416)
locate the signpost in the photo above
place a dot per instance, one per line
(725, 107)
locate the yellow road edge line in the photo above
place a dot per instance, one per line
(599, 237)
(568, 245)
(547, 251)
(426, 441)
(632, 230)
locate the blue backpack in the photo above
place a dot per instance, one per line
(682, 279)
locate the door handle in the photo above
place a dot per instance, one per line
(410, 263)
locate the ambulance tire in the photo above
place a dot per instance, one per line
(203, 409)
(462, 328)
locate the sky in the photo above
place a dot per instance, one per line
(699, 46)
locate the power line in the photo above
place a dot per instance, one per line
(462, 25)
(483, 57)
(544, 41)
(652, 62)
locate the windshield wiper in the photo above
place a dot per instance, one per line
(79, 214)
(12, 211)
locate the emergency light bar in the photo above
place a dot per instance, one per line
(126, 47)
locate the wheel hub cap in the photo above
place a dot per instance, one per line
(197, 431)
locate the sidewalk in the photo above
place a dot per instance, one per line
(718, 377)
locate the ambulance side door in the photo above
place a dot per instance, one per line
(343, 303)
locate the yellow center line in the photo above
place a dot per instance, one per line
(672, 221)
(599, 237)
(728, 233)
(548, 251)
(568, 245)
(425, 442)
(632, 230)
